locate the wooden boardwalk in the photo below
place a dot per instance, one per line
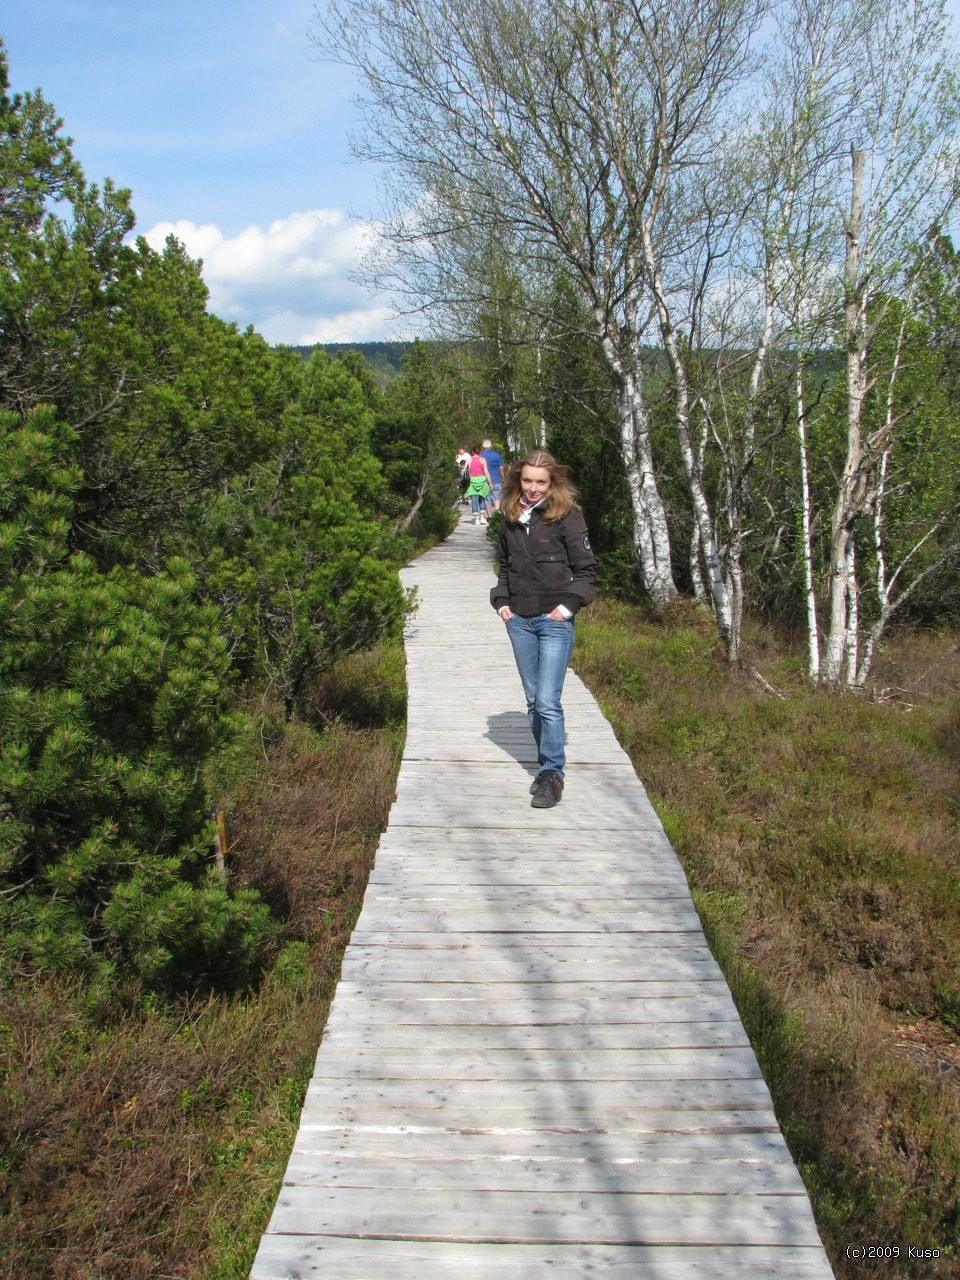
(532, 1065)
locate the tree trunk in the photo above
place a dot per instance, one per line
(651, 535)
(852, 642)
(813, 635)
(542, 423)
(698, 496)
(851, 491)
(408, 519)
(696, 573)
(735, 598)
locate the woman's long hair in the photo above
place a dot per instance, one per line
(561, 499)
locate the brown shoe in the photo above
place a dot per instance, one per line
(549, 789)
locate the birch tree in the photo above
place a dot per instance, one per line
(858, 160)
(914, 504)
(902, 179)
(796, 221)
(663, 80)
(564, 123)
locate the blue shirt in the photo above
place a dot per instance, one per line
(495, 463)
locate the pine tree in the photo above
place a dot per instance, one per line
(113, 687)
(295, 550)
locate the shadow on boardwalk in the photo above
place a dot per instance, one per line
(532, 1064)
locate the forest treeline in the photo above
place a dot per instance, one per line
(720, 230)
(385, 360)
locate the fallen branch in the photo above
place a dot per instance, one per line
(765, 684)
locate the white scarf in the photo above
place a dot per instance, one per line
(528, 509)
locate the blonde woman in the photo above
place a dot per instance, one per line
(547, 573)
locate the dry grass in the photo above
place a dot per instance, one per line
(140, 1141)
(819, 836)
(120, 1138)
(302, 835)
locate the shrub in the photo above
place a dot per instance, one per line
(113, 699)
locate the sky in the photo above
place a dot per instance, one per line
(230, 132)
(233, 134)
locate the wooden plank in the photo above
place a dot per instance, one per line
(563, 818)
(534, 918)
(399, 872)
(561, 1039)
(470, 964)
(634, 853)
(496, 1216)
(632, 847)
(439, 864)
(530, 1119)
(568, 952)
(757, 1147)
(526, 1177)
(459, 748)
(449, 897)
(558, 1097)
(330, 1257)
(579, 1105)
(635, 951)
(428, 970)
(522, 1011)
(429, 1062)
(442, 873)
(438, 989)
(637, 850)
(397, 938)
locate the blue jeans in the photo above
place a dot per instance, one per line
(478, 504)
(542, 648)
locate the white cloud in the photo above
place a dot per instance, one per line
(291, 281)
(363, 326)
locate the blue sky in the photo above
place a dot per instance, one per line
(229, 130)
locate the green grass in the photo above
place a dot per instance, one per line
(819, 835)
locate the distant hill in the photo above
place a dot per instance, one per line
(384, 358)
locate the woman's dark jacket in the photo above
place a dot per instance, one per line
(543, 565)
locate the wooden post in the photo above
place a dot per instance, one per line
(219, 839)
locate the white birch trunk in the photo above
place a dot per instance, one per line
(813, 636)
(852, 639)
(736, 482)
(696, 574)
(839, 602)
(869, 648)
(698, 496)
(651, 535)
(735, 601)
(884, 588)
(542, 419)
(851, 490)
